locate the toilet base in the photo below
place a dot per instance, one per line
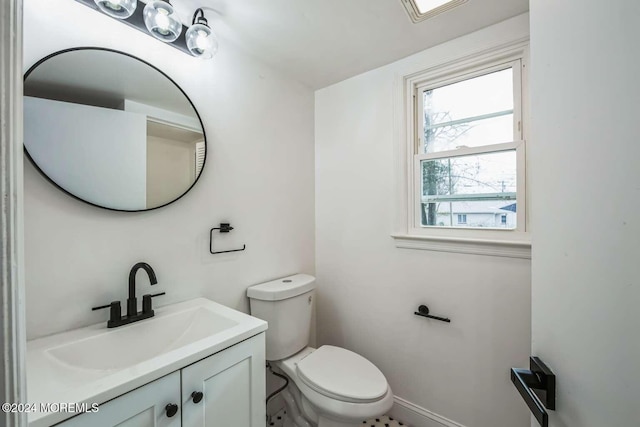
(300, 413)
(291, 402)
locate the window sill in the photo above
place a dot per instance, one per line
(489, 247)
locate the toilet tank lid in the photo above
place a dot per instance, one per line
(286, 287)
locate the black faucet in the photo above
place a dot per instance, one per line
(132, 301)
(116, 318)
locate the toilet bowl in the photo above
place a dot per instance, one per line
(328, 386)
(335, 387)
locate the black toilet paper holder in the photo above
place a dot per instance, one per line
(423, 311)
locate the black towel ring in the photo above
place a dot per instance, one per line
(224, 228)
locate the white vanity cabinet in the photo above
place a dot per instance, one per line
(232, 383)
(142, 407)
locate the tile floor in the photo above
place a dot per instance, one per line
(383, 421)
(278, 420)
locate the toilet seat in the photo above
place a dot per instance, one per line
(342, 375)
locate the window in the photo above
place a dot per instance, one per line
(461, 169)
(467, 141)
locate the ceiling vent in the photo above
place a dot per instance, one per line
(419, 10)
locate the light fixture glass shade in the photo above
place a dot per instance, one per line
(120, 9)
(162, 21)
(201, 41)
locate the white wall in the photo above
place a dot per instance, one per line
(258, 175)
(585, 182)
(369, 289)
(69, 143)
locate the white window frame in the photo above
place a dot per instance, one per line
(409, 232)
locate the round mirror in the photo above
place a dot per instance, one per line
(111, 130)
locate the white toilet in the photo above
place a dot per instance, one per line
(329, 386)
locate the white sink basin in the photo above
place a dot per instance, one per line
(129, 345)
(96, 364)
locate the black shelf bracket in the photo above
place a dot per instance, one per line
(537, 386)
(224, 228)
(423, 311)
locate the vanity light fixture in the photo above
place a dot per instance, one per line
(201, 40)
(159, 18)
(119, 9)
(162, 21)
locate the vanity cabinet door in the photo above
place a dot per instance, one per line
(232, 384)
(142, 407)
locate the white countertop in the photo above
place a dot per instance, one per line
(53, 376)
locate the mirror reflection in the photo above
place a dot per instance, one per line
(111, 130)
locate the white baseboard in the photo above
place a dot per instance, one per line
(416, 416)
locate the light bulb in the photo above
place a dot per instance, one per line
(119, 9)
(162, 21)
(201, 41)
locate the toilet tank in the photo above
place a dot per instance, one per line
(286, 304)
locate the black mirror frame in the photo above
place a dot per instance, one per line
(206, 150)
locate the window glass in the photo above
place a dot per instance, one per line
(477, 133)
(478, 214)
(481, 186)
(473, 112)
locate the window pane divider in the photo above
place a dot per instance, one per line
(469, 197)
(471, 119)
(468, 151)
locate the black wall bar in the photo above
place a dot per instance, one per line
(423, 311)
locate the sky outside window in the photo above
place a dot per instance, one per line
(472, 113)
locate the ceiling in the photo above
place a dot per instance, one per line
(321, 42)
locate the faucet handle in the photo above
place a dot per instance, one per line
(115, 313)
(146, 302)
